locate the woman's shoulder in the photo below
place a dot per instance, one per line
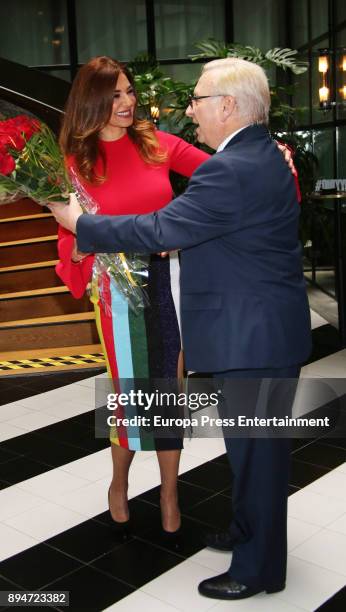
(167, 139)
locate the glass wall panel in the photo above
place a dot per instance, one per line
(341, 76)
(180, 24)
(260, 24)
(299, 21)
(341, 173)
(318, 116)
(319, 18)
(340, 11)
(188, 73)
(323, 229)
(111, 27)
(301, 98)
(323, 145)
(35, 32)
(341, 152)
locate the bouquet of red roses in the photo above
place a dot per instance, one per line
(31, 164)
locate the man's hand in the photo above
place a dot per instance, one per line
(67, 214)
(287, 153)
(76, 255)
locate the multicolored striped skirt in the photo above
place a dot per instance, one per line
(139, 347)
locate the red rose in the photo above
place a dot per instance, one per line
(17, 141)
(7, 163)
(26, 125)
(23, 126)
(12, 138)
(4, 140)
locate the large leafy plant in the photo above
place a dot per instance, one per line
(281, 58)
(154, 88)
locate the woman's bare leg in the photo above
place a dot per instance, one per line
(169, 466)
(122, 458)
(181, 368)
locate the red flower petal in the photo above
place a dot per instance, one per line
(19, 127)
(7, 164)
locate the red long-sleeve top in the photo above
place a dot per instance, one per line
(132, 186)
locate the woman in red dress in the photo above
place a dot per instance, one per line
(124, 164)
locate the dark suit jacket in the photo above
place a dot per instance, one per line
(243, 297)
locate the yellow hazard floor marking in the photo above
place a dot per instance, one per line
(24, 364)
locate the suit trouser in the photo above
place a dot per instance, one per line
(260, 469)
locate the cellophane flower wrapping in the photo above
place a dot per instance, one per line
(32, 165)
(129, 272)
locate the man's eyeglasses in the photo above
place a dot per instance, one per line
(192, 99)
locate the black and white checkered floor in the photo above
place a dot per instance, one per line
(55, 532)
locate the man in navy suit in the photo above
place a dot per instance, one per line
(243, 301)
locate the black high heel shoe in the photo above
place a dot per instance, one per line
(172, 539)
(119, 527)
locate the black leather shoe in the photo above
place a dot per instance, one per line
(220, 540)
(225, 587)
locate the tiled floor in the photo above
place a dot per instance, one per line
(55, 533)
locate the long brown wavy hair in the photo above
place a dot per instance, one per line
(88, 110)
